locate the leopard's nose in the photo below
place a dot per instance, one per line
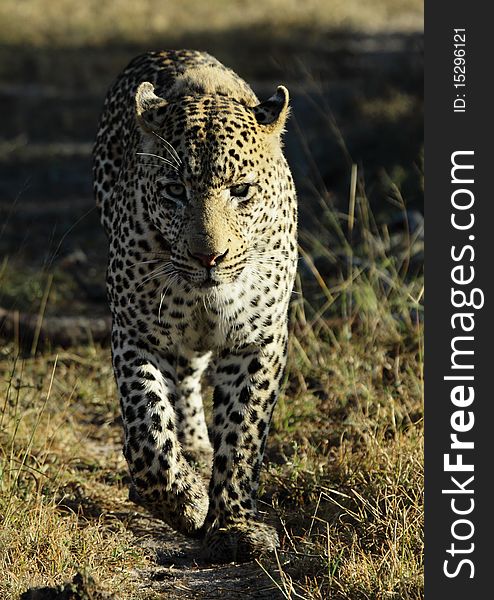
(209, 260)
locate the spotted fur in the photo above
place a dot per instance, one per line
(199, 207)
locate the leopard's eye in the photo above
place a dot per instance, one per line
(240, 191)
(176, 191)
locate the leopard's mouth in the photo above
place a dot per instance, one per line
(210, 280)
(214, 277)
(209, 283)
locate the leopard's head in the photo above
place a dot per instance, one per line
(215, 179)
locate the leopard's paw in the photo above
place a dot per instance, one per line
(239, 542)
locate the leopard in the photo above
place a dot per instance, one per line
(200, 210)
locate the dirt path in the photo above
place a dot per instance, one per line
(177, 574)
(174, 570)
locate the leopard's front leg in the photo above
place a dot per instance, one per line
(247, 385)
(163, 480)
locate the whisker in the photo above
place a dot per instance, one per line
(171, 281)
(166, 269)
(161, 304)
(149, 164)
(170, 148)
(164, 177)
(165, 160)
(144, 164)
(147, 262)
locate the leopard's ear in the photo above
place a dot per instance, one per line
(273, 112)
(148, 106)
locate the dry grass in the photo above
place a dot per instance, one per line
(50, 419)
(66, 22)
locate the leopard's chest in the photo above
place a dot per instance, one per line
(163, 315)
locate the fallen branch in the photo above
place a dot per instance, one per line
(64, 331)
